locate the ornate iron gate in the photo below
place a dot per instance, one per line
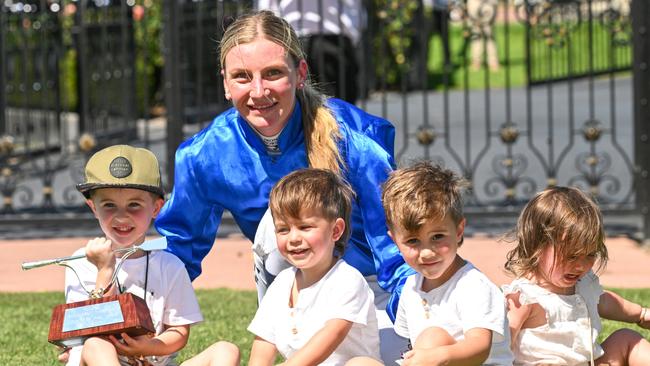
(566, 102)
(68, 72)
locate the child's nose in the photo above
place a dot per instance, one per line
(294, 236)
(121, 213)
(427, 253)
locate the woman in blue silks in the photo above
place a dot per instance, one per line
(279, 124)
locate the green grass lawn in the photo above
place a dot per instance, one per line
(25, 321)
(550, 57)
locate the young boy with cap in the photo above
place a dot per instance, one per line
(123, 188)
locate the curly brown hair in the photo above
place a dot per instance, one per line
(562, 217)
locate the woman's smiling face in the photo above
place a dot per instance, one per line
(261, 79)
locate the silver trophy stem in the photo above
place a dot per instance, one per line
(155, 244)
(149, 245)
(47, 262)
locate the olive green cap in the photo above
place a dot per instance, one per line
(122, 166)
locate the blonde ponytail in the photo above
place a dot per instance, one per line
(321, 132)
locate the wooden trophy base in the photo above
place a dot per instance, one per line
(72, 323)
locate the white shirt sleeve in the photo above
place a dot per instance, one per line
(401, 323)
(268, 5)
(352, 299)
(482, 306)
(181, 305)
(262, 324)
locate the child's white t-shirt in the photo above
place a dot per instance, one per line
(467, 300)
(571, 334)
(170, 297)
(342, 293)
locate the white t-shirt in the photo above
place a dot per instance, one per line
(341, 294)
(305, 16)
(467, 300)
(571, 334)
(170, 296)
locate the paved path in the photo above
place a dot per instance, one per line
(229, 264)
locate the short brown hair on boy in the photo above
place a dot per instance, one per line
(319, 190)
(414, 195)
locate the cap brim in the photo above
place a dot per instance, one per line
(86, 188)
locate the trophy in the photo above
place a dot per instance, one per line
(73, 323)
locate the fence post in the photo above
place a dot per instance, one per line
(81, 48)
(3, 62)
(641, 40)
(172, 79)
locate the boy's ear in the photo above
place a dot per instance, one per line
(91, 204)
(339, 228)
(460, 231)
(158, 204)
(390, 234)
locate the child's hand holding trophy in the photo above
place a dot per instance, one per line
(125, 313)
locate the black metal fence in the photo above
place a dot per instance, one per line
(515, 95)
(74, 78)
(574, 39)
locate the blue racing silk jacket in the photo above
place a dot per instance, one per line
(226, 167)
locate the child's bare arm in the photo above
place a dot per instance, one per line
(262, 353)
(172, 339)
(100, 254)
(474, 349)
(322, 344)
(614, 307)
(518, 314)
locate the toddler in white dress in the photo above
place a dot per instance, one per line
(556, 302)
